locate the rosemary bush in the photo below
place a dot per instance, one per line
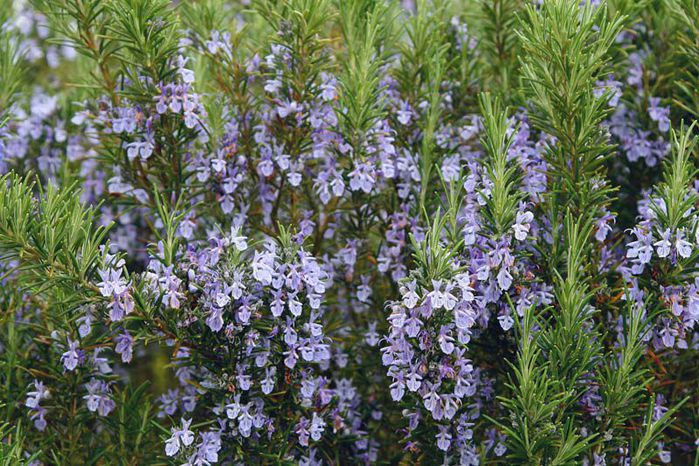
(349, 232)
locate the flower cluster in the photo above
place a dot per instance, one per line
(308, 232)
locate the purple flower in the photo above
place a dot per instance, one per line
(180, 438)
(522, 225)
(328, 86)
(186, 75)
(504, 278)
(397, 386)
(364, 290)
(684, 247)
(37, 412)
(207, 449)
(116, 288)
(124, 346)
(302, 431)
(371, 336)
(642, 248)
(661, 115)
(287, 108)
(603, 227)
(262, 269)
(611, 86)
(218, 42)
(410, 297)
(35, 396)
(85, 324)
(237, 240)
(443, 438)
(663, 246)
(72, 357)
(506, 321)
(139, 149)
(215, 319)
(317, 427)
(404, 113)
(98, 399)
(362, 178)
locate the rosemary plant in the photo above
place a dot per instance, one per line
(349, 232)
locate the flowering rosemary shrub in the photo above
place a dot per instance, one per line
(349, 232)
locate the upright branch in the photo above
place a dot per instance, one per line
(424, 65)
(498, 136)
(565, 51)
(85, 24)
(11, 74)
(555, 359)
(53, 239)
(497, 22)
(368, 31)
(686, 55)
